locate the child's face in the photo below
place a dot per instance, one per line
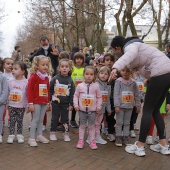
(43, 65)
(64, 68)
(89, 75)
(95, 64)
(125, 73)
(8, 65)
(103, 76)
(17, 72)
(108, 62)
(79, 61)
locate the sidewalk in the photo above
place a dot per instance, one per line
(62, 155)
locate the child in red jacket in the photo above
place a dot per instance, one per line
(38, 97)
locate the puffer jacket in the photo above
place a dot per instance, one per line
(147, 59)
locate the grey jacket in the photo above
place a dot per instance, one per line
(3, 89)
(122, 89)
(104, 87)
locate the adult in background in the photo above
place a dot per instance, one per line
(154, 66)
(74, 50)
(16, 54)
(86, 52)
(50, 50)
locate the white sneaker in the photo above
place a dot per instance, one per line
(20, 138)
(0, 138)
(66, 137)
(99, 140)
(44, 128)
(156, 139)
(10, 138)
(159, 148)
(42, 139)
(32, 142)
(111, 137)
(53, 136)
(135, 149)
(149, 140)
(132, 134)
(88, 140)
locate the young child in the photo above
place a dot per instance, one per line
(88, 101)
(126, 95)
(61, 93)
(105, 90)
(77, 76)
(3, 96)
(38, 97)
(64, 54)
(17, 100)
(109, 120)
(7, 66)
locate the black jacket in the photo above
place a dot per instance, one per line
(54, 58)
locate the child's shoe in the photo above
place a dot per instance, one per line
(149, 140)
(0, 138)
(126, 141)
(20, 138)
(111, 137)
(80, 144)
(159, 148)
(118, 141)
(105, 131)
(132, 134)
(156, 139)
(53, 136)
(99, 140)
(88, 139)
(10, 138)
(42, 139)
(66, 137)
(93, 145)
(32, 142)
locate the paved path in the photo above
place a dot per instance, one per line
(61, 155)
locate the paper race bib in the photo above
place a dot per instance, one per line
(78, 81)
(43, 90)
(61, 89)
(87, 100)
(140, 86)
(127, 97)
(15, 96)
(104, 96)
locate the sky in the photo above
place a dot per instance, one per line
(9, 26)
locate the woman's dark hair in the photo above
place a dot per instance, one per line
(117, 41)
(75, 49)
(109, 55)
(23, 67)
(1, 65)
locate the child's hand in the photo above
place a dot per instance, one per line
(98, 111)
(76, 108)
(70, 108)
(31, 107)
(117, 109)
(138, 110)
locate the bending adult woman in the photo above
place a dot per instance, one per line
(155, 66)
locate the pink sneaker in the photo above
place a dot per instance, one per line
(80, 144)
(93, 145)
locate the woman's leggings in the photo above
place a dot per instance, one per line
(156, 92)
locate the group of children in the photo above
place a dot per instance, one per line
(75, 88)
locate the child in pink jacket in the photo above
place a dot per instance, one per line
(88, 101)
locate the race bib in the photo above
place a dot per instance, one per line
(127, 97)
(78, 81)
(87, 100)
(15, 96)
(43, 90)
(140, 86)
(104, 96)
(61, 89)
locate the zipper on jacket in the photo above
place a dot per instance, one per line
(88, 86)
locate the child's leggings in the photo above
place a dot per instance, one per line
(152, 126)
(37, 121)
(2, 107)
(98, 121)
(87, 120)
(16, 115)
